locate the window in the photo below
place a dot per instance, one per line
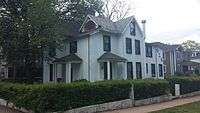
(160, 70)
(138, 70)
(128, 46)
(73, 47)
(147, 68)
(129, 70)
(149, 51)
(165, 69)
(137, 47)
(153, 70)
(132, 29)
(51, 72)
(52, 51)
(106, 43)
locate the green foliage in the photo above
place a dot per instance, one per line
(43, 98)
(30, 27)
(150, 88)
(187, 84)
(191, 46)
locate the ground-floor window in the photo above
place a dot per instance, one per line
(147, 68)
(51, 73)
(160, 70)
(153, 70)
(129, 70)
(138, 70)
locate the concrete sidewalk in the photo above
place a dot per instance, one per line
(158, 106)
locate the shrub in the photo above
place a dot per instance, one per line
(150, 88)
(187, 84)
(43, 98)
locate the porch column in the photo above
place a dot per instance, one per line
(54, 72)
(68, 72)
(125, 71)
(108, 70)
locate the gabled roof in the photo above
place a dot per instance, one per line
(121, 24)
(108, 25)
(105, 23)
(108, 56)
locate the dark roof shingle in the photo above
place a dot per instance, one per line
(108, 56)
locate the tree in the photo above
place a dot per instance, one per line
(116, 9)
(191, 46)
(27, 27)
(30, 27)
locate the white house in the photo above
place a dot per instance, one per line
(104, 50)
(154, 61)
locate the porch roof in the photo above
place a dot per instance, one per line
(108, 56)
(68, 58)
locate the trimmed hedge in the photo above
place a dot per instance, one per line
(187, 84)
(43, 98)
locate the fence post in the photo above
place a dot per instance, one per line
(132, 94)
(177, 89)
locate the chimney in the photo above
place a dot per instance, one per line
(144, 28)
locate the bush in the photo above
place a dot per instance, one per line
(187, 84)
(43, 98)
(150, 88)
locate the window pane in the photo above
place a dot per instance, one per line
(106, 43)
(137, 47)
(149, 51)
(73, 47)
(128, 45)
(147, 68)
(138, 70)
(129, 70)
(132, 29)
(160, 70)
(153, 70)
(51, 72)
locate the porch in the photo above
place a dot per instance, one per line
(65, 69)
(112, 67)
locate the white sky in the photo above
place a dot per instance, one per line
(169, 21)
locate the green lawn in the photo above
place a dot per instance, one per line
(188, 108)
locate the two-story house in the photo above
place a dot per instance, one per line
(154, 61)
(104, 50)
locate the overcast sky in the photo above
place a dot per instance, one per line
(169, 21)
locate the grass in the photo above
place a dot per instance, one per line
(188, 108)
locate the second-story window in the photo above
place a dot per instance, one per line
(73, 47)
(132, 29)
(106, 43)
(149, 51)
(137, 47)
(128, 46)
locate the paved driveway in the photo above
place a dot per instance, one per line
(7, 110)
